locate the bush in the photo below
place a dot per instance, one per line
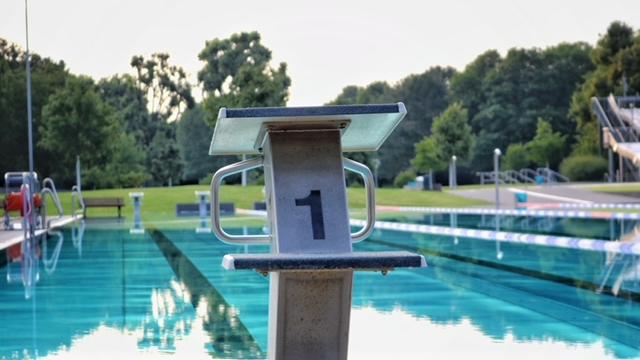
(404, 177)
(517, 157)
(584, 167)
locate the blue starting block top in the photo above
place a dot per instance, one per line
(364, 127)
(348, 261)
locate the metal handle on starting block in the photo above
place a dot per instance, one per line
(216, 180)
(370, 189)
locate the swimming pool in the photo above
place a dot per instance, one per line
(165, 293)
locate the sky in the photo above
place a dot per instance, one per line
(326, 44)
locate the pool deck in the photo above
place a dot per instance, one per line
(11, 237)
(543, 194)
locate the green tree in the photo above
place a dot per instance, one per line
(77, 122)
(194, 137)
(526, 85)
(167, 93)
(237, 73)
(547, 147)
(122, 94)
(517, 157)
(425, 96)
(165, 162)
(616, 58)
(165, 86)
(451, 135)
(47, 77)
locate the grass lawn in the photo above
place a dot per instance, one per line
(159, 203)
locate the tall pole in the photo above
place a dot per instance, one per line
(496, 170)
(496, 178)
(29, 113)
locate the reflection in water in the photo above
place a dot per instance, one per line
(373, 331)
(229, 337)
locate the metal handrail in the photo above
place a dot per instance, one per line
(552, 176)
(51, 190)
(370, 190)
(216, 227)
(76, 197)
(246, 165)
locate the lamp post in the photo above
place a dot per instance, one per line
(496, 178)
(453, 176)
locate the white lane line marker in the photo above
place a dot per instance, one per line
(548, 196)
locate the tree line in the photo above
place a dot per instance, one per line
(146, 128)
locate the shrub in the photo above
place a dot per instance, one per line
(583, 167)
(404, 177)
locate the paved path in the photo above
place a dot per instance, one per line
(545, 194)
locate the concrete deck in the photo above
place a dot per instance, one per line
(545, 194)
(11, 237)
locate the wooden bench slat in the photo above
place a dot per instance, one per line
(103, 202)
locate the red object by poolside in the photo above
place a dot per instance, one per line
(13, 202)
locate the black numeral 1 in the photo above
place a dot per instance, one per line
(314, 202)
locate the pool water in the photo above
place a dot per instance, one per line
(164, 293)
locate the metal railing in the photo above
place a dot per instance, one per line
(551, 176)
(617, 128)
(49, 188)
(76, 199)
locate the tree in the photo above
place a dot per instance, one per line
(122, 94)
(194, 137)
(507, 96)
(166, 92)
(425, 96)
(77, 122)
(516, 157)
(451, 135)
(467, 86)
(617, 71)
(547, 147)
(47, 77)
(165, 86)
(165, 164)
(237, 73)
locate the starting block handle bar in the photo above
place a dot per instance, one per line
(370, 190)
(216, 181)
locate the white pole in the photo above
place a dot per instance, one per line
(496, 170)
(29, 112)
(454, 173)
(78, 179)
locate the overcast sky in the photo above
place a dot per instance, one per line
(327, 44)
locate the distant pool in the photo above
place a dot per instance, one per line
(164, 293)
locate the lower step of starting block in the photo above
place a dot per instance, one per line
(372, 261)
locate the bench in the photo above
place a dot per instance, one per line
(103, 202)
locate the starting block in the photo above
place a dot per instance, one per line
(311, 263)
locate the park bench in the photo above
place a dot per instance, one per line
(103, 202)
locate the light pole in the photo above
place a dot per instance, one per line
(29, 115)
(496, 170)
(453, 181)
(496, 178)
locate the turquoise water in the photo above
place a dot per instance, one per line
(164, 293)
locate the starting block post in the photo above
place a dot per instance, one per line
(203, 212)
(137, 228)
(311, 263)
